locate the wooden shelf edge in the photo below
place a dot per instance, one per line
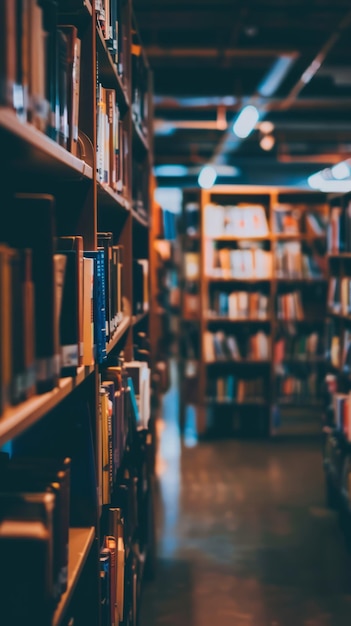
(88, 6)
(107, 195)
(17, 418)
(235, 320)
(136, 319)
(140, 136)
(123, 99)
(241, 362)
(236, 403)
(140, 219)
(79, 546)
(38, 140)
(120, 332)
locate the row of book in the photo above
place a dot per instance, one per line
(299, 347)
(291, 262)
(40, 68)
(60, 304)
(289, 306)
(219, 346)
(339, 295)
(237, 263)
(339, 229)
(109, 17)
(124, 405)
(237, 221)
(140, 90)
(112, 142)
(247, 220)
(231, 388)
(306, 388)
(341, 405)
(239, 305)
(295, 220)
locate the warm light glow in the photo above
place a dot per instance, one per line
(246, 121)
(207, 177)
(266, 127)
(341, 170)
(267, 142)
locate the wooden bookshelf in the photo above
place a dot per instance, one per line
(69, 241)
(219, 277)
(79, 546)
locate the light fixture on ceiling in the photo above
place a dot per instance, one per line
(267, 142)
(335, 179)
(341, 170)
(207, 177)
(246, 121)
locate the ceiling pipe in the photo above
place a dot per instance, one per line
(231, 143)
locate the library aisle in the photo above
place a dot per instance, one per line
(244, 538)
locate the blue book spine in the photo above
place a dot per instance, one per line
(99, 304)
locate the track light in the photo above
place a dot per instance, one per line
(246, 121)
(207, 177)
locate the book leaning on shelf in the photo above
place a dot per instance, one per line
(34, 501)
(40, 68)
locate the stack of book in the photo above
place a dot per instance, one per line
(111, 142)
(291, 262)
(239, 305)
(289, 306)
(236, 221)
(247, 263)
(230, 388)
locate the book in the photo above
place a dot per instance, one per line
(8, 56)
(72, 328)
(73, 83)
(26, 536)
(99, 305)
(88, 311)
(6, 303)
(31, 224)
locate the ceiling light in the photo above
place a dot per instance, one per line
(315, 180)
(267, 142)
(207, 177)
(246, 121)
(266, 127)
(276, 75)
(341, 170)
(170, 170)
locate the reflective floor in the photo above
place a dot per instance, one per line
(244, 538)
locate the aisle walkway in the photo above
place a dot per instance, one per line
(244, 538)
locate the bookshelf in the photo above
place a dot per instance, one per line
(337, 416)
(76, 365)
(258, 331)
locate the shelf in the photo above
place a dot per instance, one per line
(234, 320)
(302, 360)
(139, 138)
(108, 197)
(31, 148)
(79, 546)
(143, 221)
(298, 236)
(251, 362)
(267, 237)
(107, 72)
(305, 320)
(247, 402)
(136, 319)
(119, 334)
(230, 279)
(339, 255)
(289, 279)
(299, 402)
(18, 418)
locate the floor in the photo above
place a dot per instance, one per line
(244, 538)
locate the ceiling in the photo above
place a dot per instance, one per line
(291, 59)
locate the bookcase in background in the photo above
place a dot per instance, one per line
(255, 275)
(337, 414)
(75, 422)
